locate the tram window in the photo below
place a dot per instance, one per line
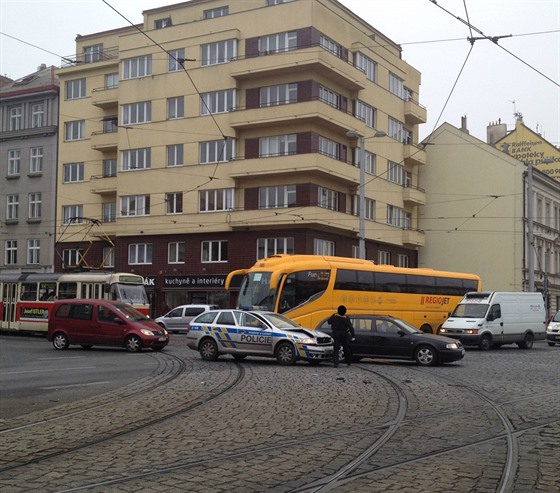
(29, 291)
(67, 290)
(47, 291)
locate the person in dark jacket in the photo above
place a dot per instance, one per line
(342, 333)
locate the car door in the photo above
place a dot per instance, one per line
(389, 342)
(363, 344)
(109, 332)
(225, 331)
(175, 319)
(253, 335)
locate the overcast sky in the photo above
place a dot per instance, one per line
(521, 74)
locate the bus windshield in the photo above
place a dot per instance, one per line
(255, 292)
(470, 310)
(129, 293)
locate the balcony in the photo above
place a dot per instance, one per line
(414, 112)
(103, 185)
(414, 155)
(105, 97)
(104, 141)
(413, 196)
(413, 238)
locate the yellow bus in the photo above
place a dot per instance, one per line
(309, 288)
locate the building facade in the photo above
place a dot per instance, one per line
(215, 134)
(476, 218)
(28, 147)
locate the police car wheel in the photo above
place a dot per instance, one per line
(208, 350)
(285, 354)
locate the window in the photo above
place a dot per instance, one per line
(12, 207)
(275, 43)
(323, 247)
(109, 167)
(216, 200)
(73, 172)
(330, 97)
(398, 132)
(277, 2)
(71, 257)
(16, 120)
(327, 198)
(220, 52)
(219, 12)
(175, 155)
(73, 214)
(162, 23)
(329, 45)
(398, 217)
(37, 115)
(174, 201)
(74, 130)
(111, 81)
(140, 253)
(217, 151)
(76, 89)
(279, 145)
(217, 102)
(397, 174)
(108, 256)
(175, 60)
(384, 258)
(135, 205)
(365, 113)
(370, 209)
(10, 253)
(280, 196)
(109, 212)
(36, 160)
(137, 113)
(176, 252)
(402, 260)
(175, 108)
(280, 94)
(110, 124)
(370, 160)
(366, 65)
(93, 53)
(396, 86)
(214, 251)
(35, 205)
(14, 162)
(272, 246)
(329, 148)
(33, 251)
(137, 67)
(136, 159)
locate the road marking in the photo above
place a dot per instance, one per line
(73, 385)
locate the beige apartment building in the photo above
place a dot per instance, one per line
(216, 133)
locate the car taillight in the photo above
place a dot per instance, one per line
(188, 327)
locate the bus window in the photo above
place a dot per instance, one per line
(307, 284)
(29, 291)
(67, 290)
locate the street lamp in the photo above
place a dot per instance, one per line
(353, 134)
(530, 240)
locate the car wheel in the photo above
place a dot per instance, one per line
(485, 343)
(133, 344)
(60, 341)
(551, 343)
(87, 346)
(425, 356)
(527, 342)
(285, 354)
(239, 357)
(208, 350)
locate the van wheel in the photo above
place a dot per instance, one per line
(208, 350)
(485, 343)
(60, 341)
(527, 342)
(551, 344)
(425, 356)
(133, 344)
(426, 329)
(285, 354)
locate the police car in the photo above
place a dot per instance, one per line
(249, 333)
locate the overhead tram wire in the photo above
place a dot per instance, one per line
(494, 40)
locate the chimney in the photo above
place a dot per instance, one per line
(464, 124)
(495, 131)
(43, 66)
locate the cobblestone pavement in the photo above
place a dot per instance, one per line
(486, 424)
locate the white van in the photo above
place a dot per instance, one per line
(491, 319)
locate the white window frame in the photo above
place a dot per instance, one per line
(37, 115)
(366, 65)
(93, 53)
(136, 159)
(384, 257)
(35, 205)
(72, 256)
(16, 118)
(218, 52)
(175, 108)
(12, 207)
(75, 89)
(176, 252)
(330, 45)
(140, 254)
(278, 145)
(365, 112)
(275, 197)
(174, 155)
(135, 205)
(330, 97)
(73, 173)
(112, 80)
(327, 198)
(14, 162)
(10, 252)
(136, 67)
(215, 251)
(217, 12)
(398, 217)
(74, 130)
(329, 147)
(110, 167)
(173, 62)
(75, 211)
(108, 256)
(109, 212)
(33, 252)
(278, 95)
(217, 151)
(403, 260)
(36, 160)
(273, 246)
(137, 113)
(323, 247)
(174, 203)
(217, 200)
(396, 86)
(277, 43)
(212, 103)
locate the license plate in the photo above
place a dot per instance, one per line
(162, 339)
